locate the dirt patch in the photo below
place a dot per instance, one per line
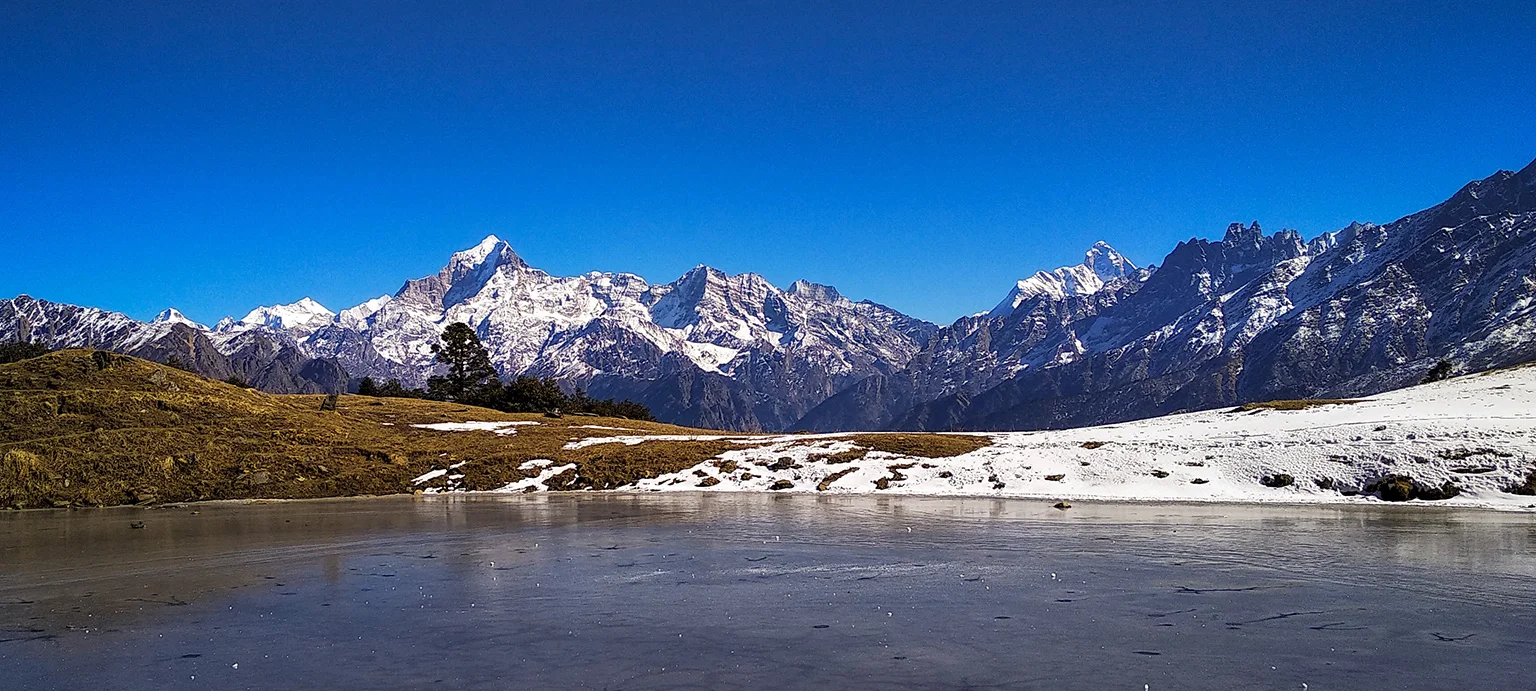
(1300, 404)
(848, 456)
(921, 445)
(826, 482)
(1404, 488)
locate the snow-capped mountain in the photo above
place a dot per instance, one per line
(619, 334)
(749, 354)
(1250, 317)
(299, 318)
(1253, 317)
(171, 315)
(1101, 265)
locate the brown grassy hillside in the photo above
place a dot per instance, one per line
(92, 428)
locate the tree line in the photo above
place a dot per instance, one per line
(471, 379)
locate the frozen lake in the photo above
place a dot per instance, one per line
(630, 591)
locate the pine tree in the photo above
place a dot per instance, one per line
(470, 378)
(367, 387)
(527, 394)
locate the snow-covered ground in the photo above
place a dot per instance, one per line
(1478, 432)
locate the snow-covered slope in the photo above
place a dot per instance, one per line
(1476, 432)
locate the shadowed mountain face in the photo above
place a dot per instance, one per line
(1252, 317)
(1249, 317)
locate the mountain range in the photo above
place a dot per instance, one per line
(1250, 317)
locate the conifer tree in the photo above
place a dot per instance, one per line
(470, 378)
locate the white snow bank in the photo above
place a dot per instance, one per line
(429, 476)
(500, 428)
(1478, 432)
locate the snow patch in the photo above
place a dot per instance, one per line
(504, 429)
(536, 483)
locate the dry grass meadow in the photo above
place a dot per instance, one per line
(91, 428)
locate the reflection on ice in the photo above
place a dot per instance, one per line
(752, 591)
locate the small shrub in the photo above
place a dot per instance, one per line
(1442, 370)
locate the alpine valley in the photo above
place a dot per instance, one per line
(1251, 317)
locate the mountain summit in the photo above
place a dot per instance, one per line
(1101, 265)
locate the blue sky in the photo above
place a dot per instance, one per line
(216, 156)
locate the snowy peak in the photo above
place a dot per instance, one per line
(1107, 263)
(173, 316)
(706, 295)
(1101, 265)
(468, 271)
(491, 253)
(355, 317)
(305, 315)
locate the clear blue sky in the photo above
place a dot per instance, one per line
(216, 156)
